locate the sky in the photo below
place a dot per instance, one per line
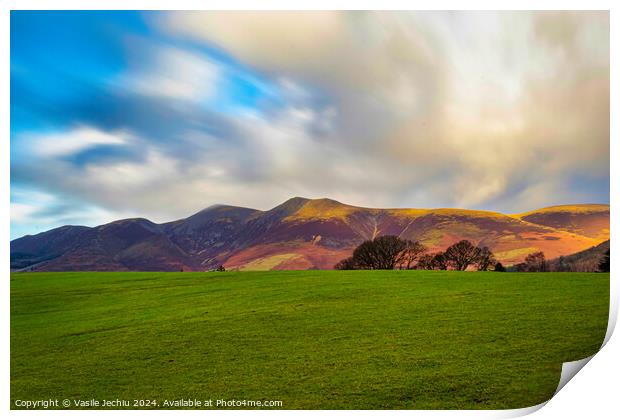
(161, 114)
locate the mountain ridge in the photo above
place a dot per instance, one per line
(301, 233)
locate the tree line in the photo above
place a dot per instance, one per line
(536, 262)
(391, 252)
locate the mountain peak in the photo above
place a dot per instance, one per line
(215, 212)
(322, 208)
(295, 201)
(289, 206)
(327, 202)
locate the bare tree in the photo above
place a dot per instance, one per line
(346, 264)
(536, 262)
(432, 262)
(439, 261)
(562, 265)
(486, 259)
(499, 267)
(604, 264)
(412, 252)
(462, 254)
(382, 253)
(425, 262)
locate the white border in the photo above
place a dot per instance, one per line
(309, 5)
(592, 394)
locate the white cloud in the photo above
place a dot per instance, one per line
(71, 142)
(178, 74)
(33, 211)
(21, 212)
(130, 176)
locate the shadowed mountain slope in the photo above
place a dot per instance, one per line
(301, 234)
(587, 260)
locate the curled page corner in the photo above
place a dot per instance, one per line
(569, 370)
(611, 324)
(519, 412)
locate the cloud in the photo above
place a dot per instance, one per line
(177, 74)
(504, 111)
(21, 213)
(71, 142)
(125, 176)
(34, 211)
(471, 100)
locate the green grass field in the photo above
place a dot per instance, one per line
(311, 339)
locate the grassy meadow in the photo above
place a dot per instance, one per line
(311, 339)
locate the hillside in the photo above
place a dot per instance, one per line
(301, 234)
(583, 261)
(591, 220)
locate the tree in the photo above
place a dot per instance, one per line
(462, 254)
(562, 264)
(485, 260)
(412, 252)
(604, 264)
(346, 264)
(432, 262)
(382, 253)
(390, 252)
(535, 262)
(499, 267)
(425, 262)
(440, 262)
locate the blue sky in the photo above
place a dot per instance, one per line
(159, 114)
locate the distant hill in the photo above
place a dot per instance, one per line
(590, 220)
(301, 234)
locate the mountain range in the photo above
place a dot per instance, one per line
(302, 234)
